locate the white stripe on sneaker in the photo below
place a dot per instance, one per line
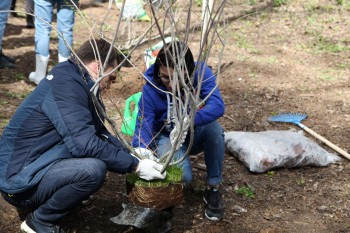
(25, 228)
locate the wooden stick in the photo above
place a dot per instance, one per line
(328, 143)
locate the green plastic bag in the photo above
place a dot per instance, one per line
(129, 118)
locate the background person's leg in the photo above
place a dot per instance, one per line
(5, 61)
(4, 6)
(43, 9)
(30, 9)
(65, 23)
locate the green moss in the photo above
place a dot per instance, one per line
(173, 175)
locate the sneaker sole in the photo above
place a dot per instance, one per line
(213, 218)
(205, 201)
(25, 228)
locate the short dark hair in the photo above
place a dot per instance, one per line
(88, 52)
(173, 49)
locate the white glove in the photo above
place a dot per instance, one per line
(175, 132)
(149, 170)
(146, 153)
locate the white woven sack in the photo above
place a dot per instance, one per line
(267, 150)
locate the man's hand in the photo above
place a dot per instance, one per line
(176, 131)
(149, 170)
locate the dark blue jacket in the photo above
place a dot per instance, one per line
(56, 121)
(153, 106)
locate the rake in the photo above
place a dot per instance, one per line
(296, 118)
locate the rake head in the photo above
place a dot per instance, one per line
(295, 118)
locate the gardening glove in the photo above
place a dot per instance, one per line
(175, 133)
(146, 153)
(149, 170)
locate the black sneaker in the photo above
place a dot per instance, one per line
(30, 225)
(10, 59)
(6, 62)
(30, 21)
(214, 209)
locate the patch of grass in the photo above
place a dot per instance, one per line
(272, 60)
(252, 75)
(173, 175)
(2, 103)
(344, 3)
(324, 45)
(312, 22)
(107, 27)
(329, 20)
(301, 181)
(278, 3)
(19, 76)
(330, 75)
(252, 2)
(340, 2)
(316, 7)
(15, 95)
(344, 65)
(329, 46)
(243, 43)
(274, 113)
(271, 173)
(246, 191)
(199, 2)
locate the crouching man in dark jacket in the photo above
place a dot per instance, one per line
(55, 151)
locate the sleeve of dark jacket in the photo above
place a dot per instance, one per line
(70, 109)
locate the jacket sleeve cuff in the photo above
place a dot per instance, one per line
(134, 165)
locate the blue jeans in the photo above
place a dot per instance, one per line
(65, 22)
(63, 186)
(208, 139)
(4, 6)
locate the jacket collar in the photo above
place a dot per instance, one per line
(84, 73)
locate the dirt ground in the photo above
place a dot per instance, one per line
(292, 58)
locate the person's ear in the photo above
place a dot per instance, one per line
(96, 67)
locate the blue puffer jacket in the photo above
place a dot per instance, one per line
(56, 121)
(153, 107)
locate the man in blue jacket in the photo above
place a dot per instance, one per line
(55, 151)
(157, 128)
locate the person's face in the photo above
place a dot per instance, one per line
(105, 83)
(165, 74)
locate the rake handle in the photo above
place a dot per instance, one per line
(328, 143)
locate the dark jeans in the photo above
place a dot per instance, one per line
(64, 185)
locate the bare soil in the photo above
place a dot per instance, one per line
(292, 58)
